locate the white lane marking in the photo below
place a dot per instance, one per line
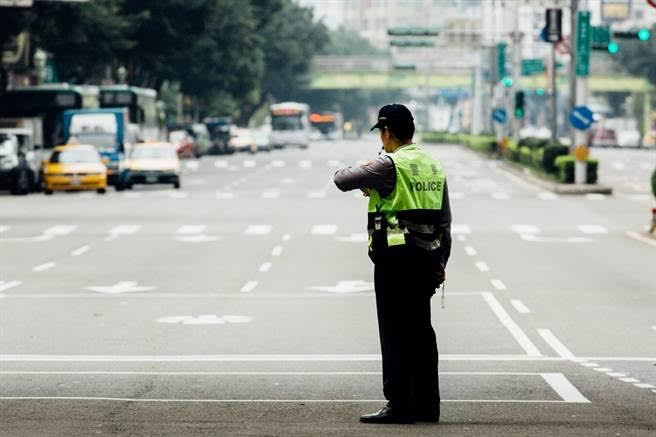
(564, 388)
(204, 319)
(602, 369)
(537, 239)
(546, 195)
(356, 286)
(501, 196)
(526, 229)
(644, 385)
(654, 327)
(271, 194)
(335, 163)
(249, 286)
(618, 165)
(631, 380)
(519, 306)
(258, 230)
(596, 196)
(80, 250)
(592, 229)
(120, 287)
(460, 229)
(470, 251)
(480, 265)
(114, 233)
(323, 229)
(197, 238)
(7, 285)
(462, 238)
(177, 194)
(498, 284)
(45, 266)
(60, 230)
(277, 251)
(286, 237)
(191, 229)
(514, 329)
(556, 345)
(225, 195)
(277, 163)
(354, 238)
(265, 267)
(318, 194)
(249, 164)
(305, 164)
(616, 374)
(220, 164)
(258, 401)
(588, 364)
(456, 195)
(4, 229)
(641, 238)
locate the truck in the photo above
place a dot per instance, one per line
(107, 130)
(20, 161)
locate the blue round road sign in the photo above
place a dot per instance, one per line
(499, 115)
(581, 117)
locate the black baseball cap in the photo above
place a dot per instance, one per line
(394, 115)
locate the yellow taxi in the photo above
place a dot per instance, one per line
(153, 163)
(74, 167)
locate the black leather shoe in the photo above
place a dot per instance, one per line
(386, 415)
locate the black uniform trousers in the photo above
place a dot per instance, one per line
(404, 284)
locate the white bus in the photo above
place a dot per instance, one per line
(290, 124)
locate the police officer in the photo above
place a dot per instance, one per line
(409, 224)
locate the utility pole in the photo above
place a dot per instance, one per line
(582, 33)
(553, 95)
(516, 71)
(574, 10)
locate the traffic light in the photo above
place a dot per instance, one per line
(641, 34)
(613, 48)
(519, 104)
(507, 82)
(539, 92)
(644, 34)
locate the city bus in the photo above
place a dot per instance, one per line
(290, 124)
(328, 124)
(40, 108)
(142, 108)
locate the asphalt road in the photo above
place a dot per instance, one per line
(242, 304)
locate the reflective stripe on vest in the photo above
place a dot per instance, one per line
(419, 186)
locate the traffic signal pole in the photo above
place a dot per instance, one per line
(581, 34)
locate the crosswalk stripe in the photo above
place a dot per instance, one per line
(221, 164)
(277, 163)
(460, 229)
(526, 229)
(271, 194)
(4, 229)
(249, 164)
(305, 164)
(124, 229)
(10, 284)
(324, 229)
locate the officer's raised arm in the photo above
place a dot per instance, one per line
(378, 174)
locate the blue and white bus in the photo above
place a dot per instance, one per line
(142, 108)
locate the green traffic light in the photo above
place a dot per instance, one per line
(507, 82)
(644, 34)
(539, 91)
(519, 113)
(613, 48)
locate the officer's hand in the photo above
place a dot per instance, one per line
(366, 192)
(439, 279)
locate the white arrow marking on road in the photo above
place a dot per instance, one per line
(324, 229)
(258, 230)
(197, 238)
(120, 287)
(205, 319)
(190, 229)
(347, 287)
(537, 239)
(7, 285)
(592, 229)
(354, 238)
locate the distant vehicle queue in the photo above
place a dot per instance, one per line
(54, 137)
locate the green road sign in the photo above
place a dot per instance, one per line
(501, 59)
(532, 66)
(600, 37)
(583, 37)
(412, 43)
(413, 31)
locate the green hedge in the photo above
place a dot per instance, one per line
(440, 137)
(551, 152)
(565, 166)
